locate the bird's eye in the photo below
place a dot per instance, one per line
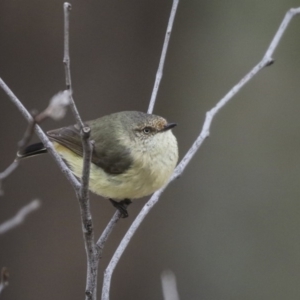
(147, 130)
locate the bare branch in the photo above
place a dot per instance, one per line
(56, 110)
(281, 30)
(83, 195)
(65, 170)
(67, 9)
(3, 279)
(107, 231)
(28, 133)
(20, 216)
(169, 287)
(66, 61)
(62, 166)
(125, 241)
(6, 173)
(86, 218)
(9, 170)
(159, 73)
(266, 61)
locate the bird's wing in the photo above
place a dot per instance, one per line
(108, 153)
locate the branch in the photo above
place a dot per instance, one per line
(266, 61)
(6, 173)
(40, 133)
(159, 73)
(55, 110)
(20, 216)
(83, 195)
(125, 241)
(86, 218)
(79, 189)
(66, 61)
(28, 133)
(169, 287)
(107, 231)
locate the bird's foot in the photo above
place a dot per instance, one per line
(121, 206)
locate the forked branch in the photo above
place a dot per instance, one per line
(83, 194)
(42, 136)
(93, 250)
(266, 61)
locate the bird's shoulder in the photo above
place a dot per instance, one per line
(108, 151)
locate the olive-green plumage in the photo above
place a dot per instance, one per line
(109, 154)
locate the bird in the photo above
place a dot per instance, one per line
(134, 154)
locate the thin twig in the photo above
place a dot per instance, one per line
(80, 189)
(83, 195)
(86, 218)
(6, 173)
(40, 133)
(266, 61)
(107, 231)
(21, 145)
(159, 73)
(28, 132)
(67, 9)
(37, 118)
(56, 110)
(169, 286)
(9, 170)
(99, 250)
(66, 61)
(125, 241)
(20, 216)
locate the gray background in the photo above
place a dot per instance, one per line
(229, 227)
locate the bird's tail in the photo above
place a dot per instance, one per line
(32, 150)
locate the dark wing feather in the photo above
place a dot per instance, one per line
(108, 153)
(32, 150)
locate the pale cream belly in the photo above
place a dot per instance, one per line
(142, 179)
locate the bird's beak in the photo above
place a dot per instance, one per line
(169, 126)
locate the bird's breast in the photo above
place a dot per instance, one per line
(152, 166)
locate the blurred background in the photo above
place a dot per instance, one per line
(229, 227)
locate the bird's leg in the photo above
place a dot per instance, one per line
(121, 206)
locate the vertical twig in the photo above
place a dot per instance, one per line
(66, 61)
(83, 195)
(86, 217)
(266, 61)
(159, 73)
